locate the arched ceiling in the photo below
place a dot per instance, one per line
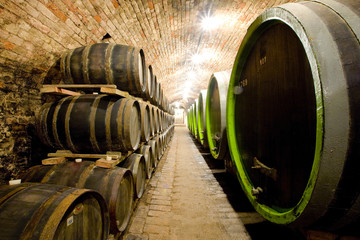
(171, 32)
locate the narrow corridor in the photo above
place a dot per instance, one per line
(185, 201)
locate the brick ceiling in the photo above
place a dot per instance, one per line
(171, 32)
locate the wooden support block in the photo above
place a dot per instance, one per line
(59, 91)
(107, 163)
(113, 155)
(114, 91)
(53, 161)
(69, 154)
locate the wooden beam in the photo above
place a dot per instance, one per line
(53, 161)
(59, 91)
(80, 85)
(69, 154)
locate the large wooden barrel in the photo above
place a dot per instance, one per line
(293, 114)
(216, 114)
(145, 121)
(202, 118)
(104, 63)
(136, 163)
(154, 152)
(146, 151)
(195, 127)
(115, 185)
(90, 124)
(43, 211)
(191, 117)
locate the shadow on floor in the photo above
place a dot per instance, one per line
(231, 187)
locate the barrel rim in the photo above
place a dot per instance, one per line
(263, 22)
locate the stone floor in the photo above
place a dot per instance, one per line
(189, 197)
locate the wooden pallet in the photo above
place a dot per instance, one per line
(63, 89)
(108, 160)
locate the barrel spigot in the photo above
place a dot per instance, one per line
(256, 191)
(270, 172)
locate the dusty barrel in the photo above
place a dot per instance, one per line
(159, 147)
(202, 118)
(149, 84)
(155, 97)
(152, 120)
(157, 119)
(145, 121)
(216, 114)
(115, 185)
(136, 163)
(90, 124)
(146, 151)
(154, 152)
(158, 93)
(43, 211)
(293, 114)
(104, 63)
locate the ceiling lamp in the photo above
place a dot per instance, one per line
(191, 75)
(197, 58)
(210, 23)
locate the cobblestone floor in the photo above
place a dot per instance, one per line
(184, 200)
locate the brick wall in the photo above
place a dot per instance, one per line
(34, 33)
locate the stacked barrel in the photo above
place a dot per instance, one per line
(293, 115)
(139, 126)
(207, 116)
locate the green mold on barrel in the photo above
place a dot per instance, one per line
(293, 114)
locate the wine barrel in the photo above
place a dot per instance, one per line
(195, 113)
(154, 152)
(191, 121)
(216, 114)
(136, 163)
(106, 63)
(145, 122)
(115, 185)
(293, 114)
(159, 147)
(146, 151)
(152, 120)
(202, 118)
(43, 211)
(157, 119)
(90, 124)
(158, 92)
(155, 98)
(149, 84)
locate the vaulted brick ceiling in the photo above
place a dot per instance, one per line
(169, 31)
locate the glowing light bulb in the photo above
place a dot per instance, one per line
(210, 23)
